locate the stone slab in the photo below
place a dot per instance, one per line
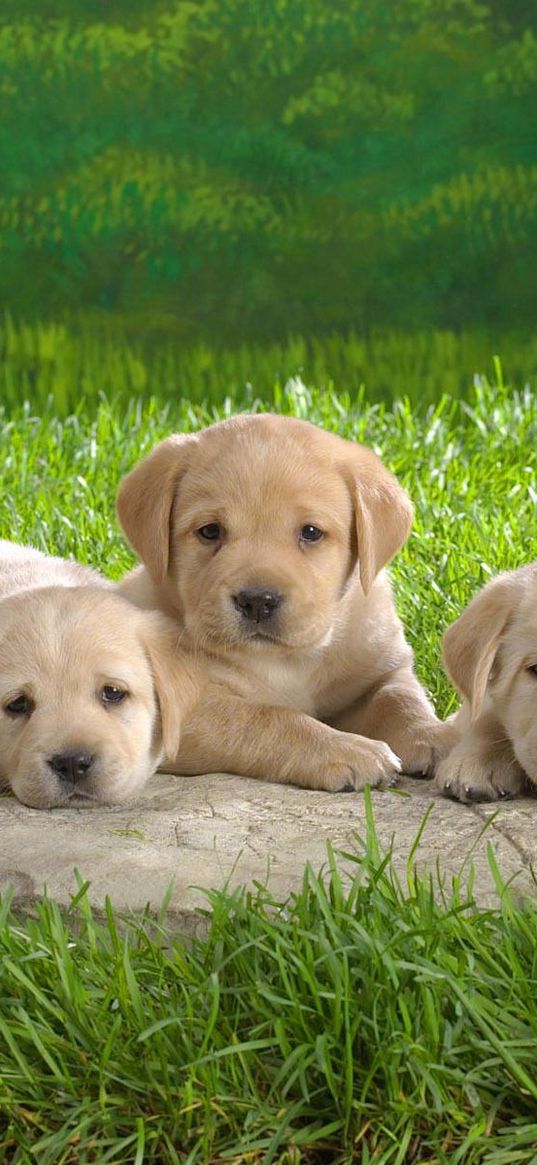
(215, 830)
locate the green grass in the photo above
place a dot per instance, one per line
(363, 1020)
(93, 355)
(469, 465)
(370, 1022)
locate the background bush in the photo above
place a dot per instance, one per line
(226, 170)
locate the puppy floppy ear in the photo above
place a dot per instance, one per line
(145, 500)
(383, 514)
(176, 676)
(471, 643)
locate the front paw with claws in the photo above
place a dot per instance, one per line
(472, 777)
(356, 762)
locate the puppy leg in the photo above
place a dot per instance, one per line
(482, 766)
(399, 712)
(279, 744)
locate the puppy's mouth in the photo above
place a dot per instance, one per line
(223, 627)
(271, 638)
(80, 797)
(79, 793)
(240, 636)
(46, 799)
(262, 635)
(72, 799)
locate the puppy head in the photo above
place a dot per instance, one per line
(492, 650)
(92, 695)
(256, 525)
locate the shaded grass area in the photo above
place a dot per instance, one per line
(369, 1018)
(94, 355)
(469, 465)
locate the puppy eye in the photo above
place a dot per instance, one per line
(311, 534)
(112, 695)
(209, 533)
(20, 706)
(533, 669)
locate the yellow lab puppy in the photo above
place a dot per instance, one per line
(265, 538)
(490, 653)
(93, 692)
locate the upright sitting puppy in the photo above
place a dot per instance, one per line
(490, 653)
(265, 538)
(93, 692)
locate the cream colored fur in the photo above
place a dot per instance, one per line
(325, 696)
(65, 635)
(491, 656)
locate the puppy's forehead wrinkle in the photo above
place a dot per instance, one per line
(261, 487)
(59, 635)
(270, 436)
(51, 605)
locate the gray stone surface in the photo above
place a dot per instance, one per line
(209, 831)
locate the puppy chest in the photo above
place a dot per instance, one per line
(285, 682)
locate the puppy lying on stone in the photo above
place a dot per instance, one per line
(93, 691)
(265, 538)
(491, 656)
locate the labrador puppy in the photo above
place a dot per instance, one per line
(490, 654)
(265, 538)
(93, 692)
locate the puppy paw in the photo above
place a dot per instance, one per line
(422, 756)
(420, 760)
(360, 762)
(470, 778)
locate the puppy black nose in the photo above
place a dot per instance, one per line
(257, 604)
(71, 766)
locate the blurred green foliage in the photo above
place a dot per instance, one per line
(228, 169)
(80, 361)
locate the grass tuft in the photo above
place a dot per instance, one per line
(362, 1020)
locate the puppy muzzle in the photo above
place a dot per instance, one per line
(71, 767)
(257, 604)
